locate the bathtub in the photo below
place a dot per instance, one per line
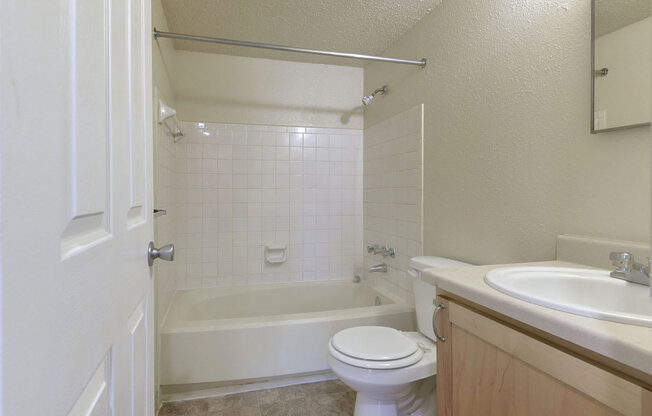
(254, 332)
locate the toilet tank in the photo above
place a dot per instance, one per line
(424, 293)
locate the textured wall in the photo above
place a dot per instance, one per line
(509, 162)
(392, 196)
(234, 89)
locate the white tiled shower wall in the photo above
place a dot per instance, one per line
(243, 187)
(393, 189)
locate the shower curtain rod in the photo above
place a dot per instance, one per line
(158, 34)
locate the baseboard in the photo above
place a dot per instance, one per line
(178, 392)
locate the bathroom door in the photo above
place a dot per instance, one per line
(76, 207)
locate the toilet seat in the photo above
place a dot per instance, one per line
(374, 347)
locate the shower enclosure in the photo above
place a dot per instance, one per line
(271, 197)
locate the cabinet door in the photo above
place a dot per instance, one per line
(444, 360)
(488, 368)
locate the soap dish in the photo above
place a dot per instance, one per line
(276, 254)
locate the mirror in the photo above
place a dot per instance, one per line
(621, 64)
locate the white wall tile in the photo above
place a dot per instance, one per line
(392, 195)
(241, 187)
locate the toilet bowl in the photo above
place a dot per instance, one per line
(389, 386)
(393, 372)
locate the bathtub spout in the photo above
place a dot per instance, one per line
(378, 268)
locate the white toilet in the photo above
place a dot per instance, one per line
(393, 372)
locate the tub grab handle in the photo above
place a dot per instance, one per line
(434, 320)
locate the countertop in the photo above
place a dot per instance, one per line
(628, 344)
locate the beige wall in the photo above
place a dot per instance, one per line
(509, 161)
(234, 89)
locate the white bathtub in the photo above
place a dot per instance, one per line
(253, 332)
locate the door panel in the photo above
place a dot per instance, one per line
(89, 45)
(132, 365)
(138, 344)
(137, 101)
(89, 131)
(76, 202)
(94, 400)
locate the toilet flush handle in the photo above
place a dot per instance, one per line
(434, 320)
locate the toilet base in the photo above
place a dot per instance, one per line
(408, 391)
(368, 406)
(420, 400)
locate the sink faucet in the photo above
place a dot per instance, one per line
(378, 268)
(627, 269)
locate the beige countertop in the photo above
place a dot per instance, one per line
(627, 344)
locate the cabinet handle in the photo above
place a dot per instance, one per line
(434, 320)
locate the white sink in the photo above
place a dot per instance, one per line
(586, 292)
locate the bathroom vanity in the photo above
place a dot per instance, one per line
(505, 356)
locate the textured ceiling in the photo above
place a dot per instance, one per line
(611, 15)
(357, 26)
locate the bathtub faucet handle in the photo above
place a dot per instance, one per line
(382, 250)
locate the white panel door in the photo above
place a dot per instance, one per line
(76, 207)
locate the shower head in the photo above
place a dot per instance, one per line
(366, 100)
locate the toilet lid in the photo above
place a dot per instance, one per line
(374, 343)
(376, 364)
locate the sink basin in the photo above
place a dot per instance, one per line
(586, 292)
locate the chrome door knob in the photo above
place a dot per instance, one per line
(164, 253)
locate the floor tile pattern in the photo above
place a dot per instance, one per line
(327, 398)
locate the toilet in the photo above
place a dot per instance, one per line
(393, 372)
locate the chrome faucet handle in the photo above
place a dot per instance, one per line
(623, 261)
(382, 250)
(387, 251)
(642, 267)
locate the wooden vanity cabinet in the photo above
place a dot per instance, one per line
(488, 367)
